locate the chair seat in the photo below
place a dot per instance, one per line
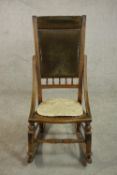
(60, 107)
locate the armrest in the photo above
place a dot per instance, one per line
(85, 88)
(34, 87)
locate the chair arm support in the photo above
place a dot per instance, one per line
(34, 87)
(85, 88)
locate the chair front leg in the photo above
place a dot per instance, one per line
(78, 127)
(88, 141)
(30, 142)
(42, 127)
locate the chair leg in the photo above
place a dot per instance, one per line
(30, 142)
(88, 141)
(82, 146)
(42, 127)
(78, 127)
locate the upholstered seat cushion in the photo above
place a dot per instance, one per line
(60, 107)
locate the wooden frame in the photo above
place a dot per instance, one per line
(36, 122)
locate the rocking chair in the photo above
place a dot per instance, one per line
(59, 55)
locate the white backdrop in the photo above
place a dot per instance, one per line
(16, 50)
(16, 39)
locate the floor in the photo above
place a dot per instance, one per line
(60, 158)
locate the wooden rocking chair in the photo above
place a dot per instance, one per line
(59, 54)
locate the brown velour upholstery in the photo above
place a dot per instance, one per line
(60, 52)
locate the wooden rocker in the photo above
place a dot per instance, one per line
(59, 55)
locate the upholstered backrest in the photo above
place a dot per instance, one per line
(59, 53)
(59, 45)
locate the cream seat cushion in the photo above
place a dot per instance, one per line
(60, 107)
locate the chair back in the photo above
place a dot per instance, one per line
(59, 47)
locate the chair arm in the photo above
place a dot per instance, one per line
(34, 87)
(85, 88)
